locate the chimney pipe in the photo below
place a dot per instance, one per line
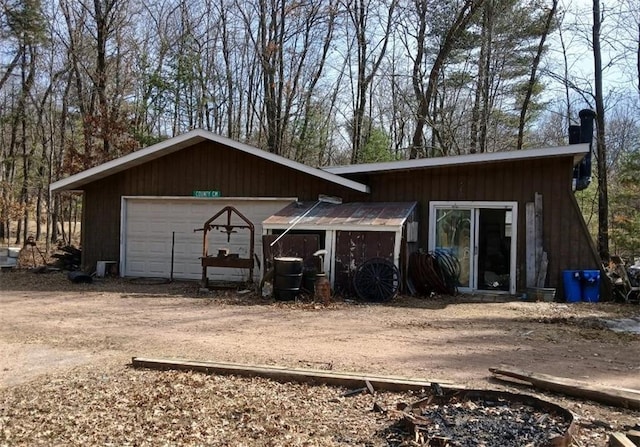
(586, 125)
(583, 134)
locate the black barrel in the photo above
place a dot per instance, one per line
(287, 278)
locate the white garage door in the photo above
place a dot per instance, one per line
(150, 224)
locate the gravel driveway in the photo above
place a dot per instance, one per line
(51, 328)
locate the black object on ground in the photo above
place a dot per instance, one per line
(79, 278)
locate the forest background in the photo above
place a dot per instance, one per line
(323, 82)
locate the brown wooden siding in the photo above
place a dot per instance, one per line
(566, 238)
(206, 166)
(209, 166)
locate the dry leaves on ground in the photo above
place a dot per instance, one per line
(131, 407)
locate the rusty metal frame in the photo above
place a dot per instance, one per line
(226, 260)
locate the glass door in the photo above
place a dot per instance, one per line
(482, 236)
(453, 234)
(494, 249)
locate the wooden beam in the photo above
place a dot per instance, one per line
(634, 436)
(620, 440)
(543, 266)
(530, 244)
(347, 380)
(618, 397)
(539, 234)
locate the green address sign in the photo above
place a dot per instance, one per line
(206, 194)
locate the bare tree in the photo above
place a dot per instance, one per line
(601, 150)
(370, 51)
(534, 72)
(425, 95)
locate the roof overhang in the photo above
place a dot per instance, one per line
(78, 181)
(351, 216)
(577, 151)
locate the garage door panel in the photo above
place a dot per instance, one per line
(150, 224)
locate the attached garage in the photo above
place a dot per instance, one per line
(157, 231)
(140, 208)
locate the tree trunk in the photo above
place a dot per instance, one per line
(603, 201)
(460, 23)
(534, 71)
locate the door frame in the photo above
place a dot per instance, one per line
(475, 229)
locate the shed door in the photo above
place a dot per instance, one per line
(150, 225)
(355, 247)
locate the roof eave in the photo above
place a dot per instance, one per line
(578, 151)
(76, 181)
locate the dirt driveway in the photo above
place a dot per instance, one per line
(49, 326)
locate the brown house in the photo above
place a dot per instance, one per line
(141, 210)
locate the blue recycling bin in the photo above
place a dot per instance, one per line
(572, 282)
(591, 286)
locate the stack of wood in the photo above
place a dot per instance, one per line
(69, 259)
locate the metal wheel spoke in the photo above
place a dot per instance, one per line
(376, 280)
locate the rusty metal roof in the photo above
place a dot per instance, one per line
(390, 215)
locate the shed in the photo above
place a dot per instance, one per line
(351, 233)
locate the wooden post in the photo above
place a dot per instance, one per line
(541, 258)
(531, 244)
(536, 259)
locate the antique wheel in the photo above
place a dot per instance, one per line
(376, 280)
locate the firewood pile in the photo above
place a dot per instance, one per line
(68, 258)
(463, 421)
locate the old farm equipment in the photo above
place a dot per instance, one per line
(224, 259)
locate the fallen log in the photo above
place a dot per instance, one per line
(347, 380)
(618, 397)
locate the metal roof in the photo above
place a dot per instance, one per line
(75, 182)
(346, 216)
(578, 151)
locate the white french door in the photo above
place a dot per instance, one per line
(482, 236)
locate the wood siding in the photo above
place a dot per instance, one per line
(566, 238)
(205, 166)
(210, 166)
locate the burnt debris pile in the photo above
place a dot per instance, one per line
(477, 421)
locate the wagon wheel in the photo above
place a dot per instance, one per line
(376, 280)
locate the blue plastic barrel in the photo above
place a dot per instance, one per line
(571, 280)
(591, 286)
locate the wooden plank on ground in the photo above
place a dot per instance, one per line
(619, 397)
(620, 440)
(281, 374)
(634, 436)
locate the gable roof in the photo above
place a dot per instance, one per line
(76, 181)
(578, 151)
